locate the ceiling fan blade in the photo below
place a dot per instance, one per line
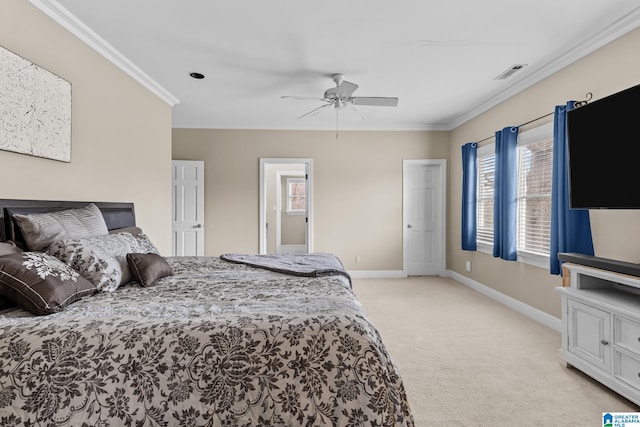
(374, 100)
(314, 111)
(346, 89)
(306, 98)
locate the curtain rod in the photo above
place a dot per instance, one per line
(577, 104)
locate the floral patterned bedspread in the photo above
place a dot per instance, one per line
(215, 344)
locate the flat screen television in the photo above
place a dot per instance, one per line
(604, 152)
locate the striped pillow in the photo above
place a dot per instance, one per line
(40, 230)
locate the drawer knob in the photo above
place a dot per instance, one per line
(638, 339)
(604, 342)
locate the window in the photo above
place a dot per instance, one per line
(296, 196)
(486, 177)
(535, 161)
(535, 157)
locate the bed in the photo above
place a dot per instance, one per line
(213, 343)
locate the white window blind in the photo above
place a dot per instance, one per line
(535, 160)
(486, 178)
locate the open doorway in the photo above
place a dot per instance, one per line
(285, 205)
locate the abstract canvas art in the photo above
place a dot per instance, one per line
(35, 109)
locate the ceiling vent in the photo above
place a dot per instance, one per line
(509, 71)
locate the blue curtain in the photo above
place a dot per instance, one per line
(469, 195)
(505, 200)
(570, 228)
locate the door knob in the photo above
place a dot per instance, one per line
(409, 226)
(197, 226)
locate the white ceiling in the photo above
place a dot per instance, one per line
(439, 57)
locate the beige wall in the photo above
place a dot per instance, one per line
(616, 233)
(357, 187)
(121, 132)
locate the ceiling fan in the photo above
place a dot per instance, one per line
(340, 97)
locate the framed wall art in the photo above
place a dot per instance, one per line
(35, 109)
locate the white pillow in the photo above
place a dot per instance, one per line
(40, 230)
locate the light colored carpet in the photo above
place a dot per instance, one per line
(467, 360)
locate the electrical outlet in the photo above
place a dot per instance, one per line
(357, 258)
(468, 266)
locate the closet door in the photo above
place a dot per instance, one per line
(188, 208)
(424, 226)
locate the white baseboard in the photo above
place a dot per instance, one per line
(535, 314)
(377, 274)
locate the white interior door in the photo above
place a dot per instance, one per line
(188, 208)
(424, 219)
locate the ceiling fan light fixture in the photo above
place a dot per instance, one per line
(341, 96)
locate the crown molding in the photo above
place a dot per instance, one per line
(617, 29)
(222, 126)
(71, 23)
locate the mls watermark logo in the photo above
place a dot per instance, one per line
(621, 419)
(607, 420)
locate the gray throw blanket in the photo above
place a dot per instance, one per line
(309, 265)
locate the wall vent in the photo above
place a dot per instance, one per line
(509, 71)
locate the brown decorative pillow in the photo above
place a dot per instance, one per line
(9, 247)
(40, 230)
(148, 268)
(41, 283)
(6, 303)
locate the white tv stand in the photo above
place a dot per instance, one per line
(601, 325)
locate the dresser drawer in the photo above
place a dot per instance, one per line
(627, 369)
(627, 334)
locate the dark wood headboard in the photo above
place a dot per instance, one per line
(116, 215)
